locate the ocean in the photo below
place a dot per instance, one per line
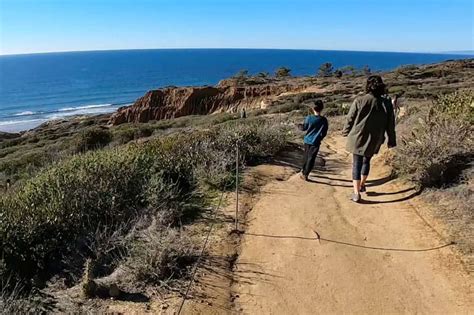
(35, 88)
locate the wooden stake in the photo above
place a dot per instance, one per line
(237, 189)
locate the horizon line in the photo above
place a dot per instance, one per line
(456, 52)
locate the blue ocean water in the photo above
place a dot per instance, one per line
(39, 87)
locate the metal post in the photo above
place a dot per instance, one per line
(237, 189)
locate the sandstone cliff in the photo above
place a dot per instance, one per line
(175, 102)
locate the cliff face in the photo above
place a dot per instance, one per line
(175, 102)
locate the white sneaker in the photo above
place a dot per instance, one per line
(355, 197)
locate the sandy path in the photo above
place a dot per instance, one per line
(282, 269)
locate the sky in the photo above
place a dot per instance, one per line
(30, 26)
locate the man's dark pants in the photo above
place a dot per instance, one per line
(310, 153)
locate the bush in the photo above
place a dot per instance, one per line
(325, 70)
(47, 219)
(457, 105)
(335, 109)
(144, 131)
(217, 150)
(127, 134)
(285, 108)
(434, 153)
(45, 216)
(93, 138)
(158, 256)
(241, 76)
(282, 72)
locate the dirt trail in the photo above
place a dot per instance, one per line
(282, 269)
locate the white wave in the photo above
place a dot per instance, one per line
(25, 113)
(15, 125)
(83, 111)
(67, 109)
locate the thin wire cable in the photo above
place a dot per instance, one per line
(318, 238)
(201, 254)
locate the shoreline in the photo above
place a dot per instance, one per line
(23, 124)
(19, 123)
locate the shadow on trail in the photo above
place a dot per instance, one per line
(374, 202)
(292, 156)
(329, 184)
(351, 244)
(375, 194)
(380, 181)
(370, 182)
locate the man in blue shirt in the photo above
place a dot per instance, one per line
(316, 127)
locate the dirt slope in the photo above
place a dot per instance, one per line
(282, 269)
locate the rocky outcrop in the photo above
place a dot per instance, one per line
(173, 102)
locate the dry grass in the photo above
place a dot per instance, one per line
(437, 153)
(439, 143)
(99, 206)
(454, 206)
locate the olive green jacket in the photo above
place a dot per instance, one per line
(368, 120)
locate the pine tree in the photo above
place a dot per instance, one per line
(326, 70)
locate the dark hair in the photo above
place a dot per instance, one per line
(375, 85)
(318, 106)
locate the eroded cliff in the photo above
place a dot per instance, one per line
(172, 102)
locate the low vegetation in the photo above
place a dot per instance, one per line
(440, 143)
(22, 156)
(49, 223)
(93, 138)
(437, 153)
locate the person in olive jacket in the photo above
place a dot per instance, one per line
(370, 117)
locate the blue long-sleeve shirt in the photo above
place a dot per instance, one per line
(316, 128)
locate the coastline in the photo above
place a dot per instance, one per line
(18, 122)
(67, 84)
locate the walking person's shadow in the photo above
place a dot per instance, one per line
(374, 202)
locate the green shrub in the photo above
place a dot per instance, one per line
(93, 138)
(144, 131)
(44, 220)
(124, 135)
(325, 70)
(285, 108)
(221, 118)
(335, 109)
(282, 72)
(440, 143)
(457, 105)
(49, 212)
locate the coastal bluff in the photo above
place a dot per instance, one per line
(174, 102)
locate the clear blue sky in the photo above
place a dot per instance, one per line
(385, 25)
